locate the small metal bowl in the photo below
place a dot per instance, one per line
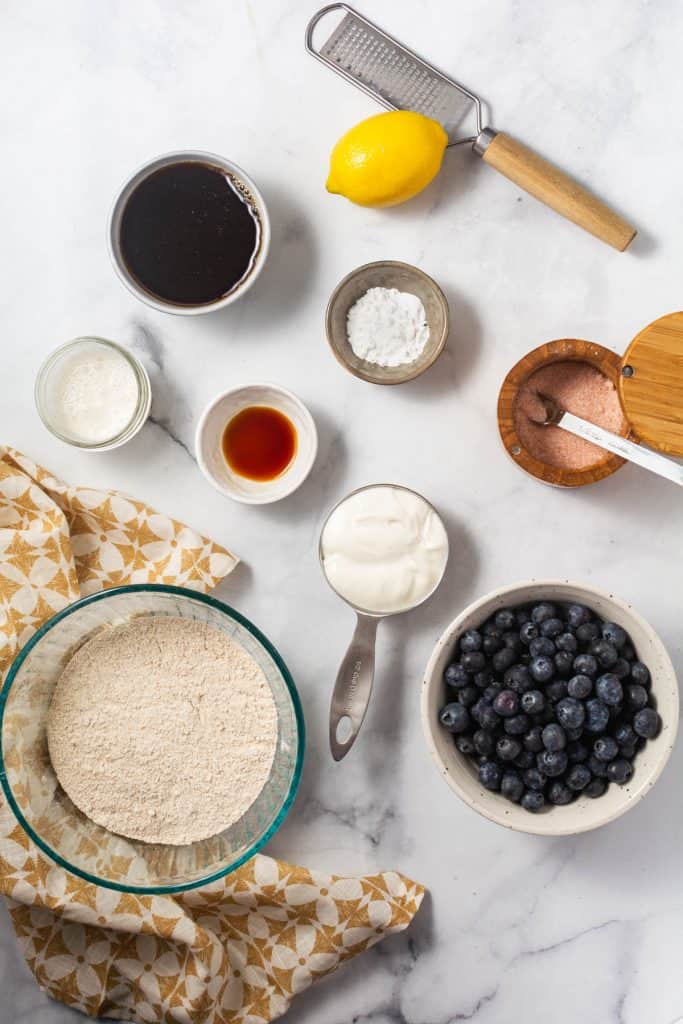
(386, 274)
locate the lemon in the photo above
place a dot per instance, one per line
(387, 158)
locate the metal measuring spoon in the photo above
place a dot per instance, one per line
(555, 416)
(353, 687)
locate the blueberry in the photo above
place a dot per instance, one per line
(551, 762)
(528, 632)
(585, 665)
(542, 611)
(454, 717)
(532, 801)
(621, 668)
(605, 653)
(614, 634)
(628, 651)
(468, 696)
(570, 713)
(595, 788)
(542, 669)
(490, 627)
(491, 692)
(511, 639)
(505, 619)
(508, 749)
(533, 740)
(578, 777)
(518, 679)
(567, 642)
(503, 659)
(522, 615)
(484, 714)
(587, 632)
(579, 687)
(465, 745)
(597, 767)
(533, 779)
(470, 641)
(553, 737)
(456, 676)
(490, 775)
(597, 716)
(647, 723)
(577, 615)
(532, 702)
(512, 787)
(506, 703)
(574, 734)
(473, 661)
(577, 752)
(636, 696)
(517, 725)
(556, 690)
(564, 663)
(609, 689)
(619, 770)
(525, 760)
(624, 734)
(483, 742)
(559, 793)
(552, 627)
(492, 642)
(542, 645)
(605, 748)
(640, 674)
(483, 679)
(628, 750)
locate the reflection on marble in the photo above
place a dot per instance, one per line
(516, 927)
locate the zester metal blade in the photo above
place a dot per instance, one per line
(393, 74)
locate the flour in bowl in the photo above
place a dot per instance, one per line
(163, 729)
(387, 327)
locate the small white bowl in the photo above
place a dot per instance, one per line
(210, 454)
(119, 205)
(584, 813)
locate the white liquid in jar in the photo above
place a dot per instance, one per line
(92, 393)
(384, 549)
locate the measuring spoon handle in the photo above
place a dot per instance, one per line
(621, 446)
(351, 694)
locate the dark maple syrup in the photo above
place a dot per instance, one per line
(259, 443)
(188, 233)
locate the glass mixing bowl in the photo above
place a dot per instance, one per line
(47, 813)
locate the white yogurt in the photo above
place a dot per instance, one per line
(384, 549)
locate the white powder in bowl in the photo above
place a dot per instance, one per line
(387, 327)
(163, 729)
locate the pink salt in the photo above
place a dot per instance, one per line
(577, 387)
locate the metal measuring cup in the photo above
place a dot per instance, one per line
(353, 687)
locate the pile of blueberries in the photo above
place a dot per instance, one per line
(550, 701)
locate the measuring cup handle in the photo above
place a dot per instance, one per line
(553, 187)
(353, 687)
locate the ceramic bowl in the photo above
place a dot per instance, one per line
(210, 433)
(246, 186)
(584, 813)
(386, 274)
(45, 811)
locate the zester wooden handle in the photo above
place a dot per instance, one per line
(556, 189)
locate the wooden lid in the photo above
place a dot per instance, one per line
(651, 384)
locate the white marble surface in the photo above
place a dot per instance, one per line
(516, 927)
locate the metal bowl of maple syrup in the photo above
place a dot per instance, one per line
(256, 444)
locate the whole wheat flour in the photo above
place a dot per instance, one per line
(162, 729)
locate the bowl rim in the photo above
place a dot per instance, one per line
(264, 497)
(157, 890)
(145, 170)
(483, 808)
(369, 377)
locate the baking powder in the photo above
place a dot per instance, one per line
(387, 327)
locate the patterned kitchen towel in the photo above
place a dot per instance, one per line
(237, 950)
